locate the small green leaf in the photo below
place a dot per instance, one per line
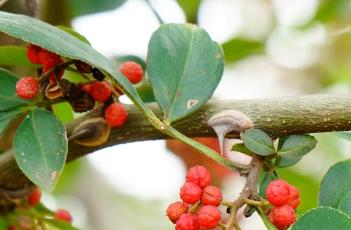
(258, 142)
(240, 147)
(345, 135)
(335, 190)
(185, 67)
(190, 9)
(40, 148)
(292, 148)
(7, 116)
(74, 34)
(237, 49)
(8, 97)
(323, 218)
(14, 55)
(82, 7)
(268, 177)
(63, 111)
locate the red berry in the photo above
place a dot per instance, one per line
(116, 115)
(132, 70)
(282, 217)
(190, 193)
(34, 197)
(175, 210)
(209, 216)
(199, 175)
(49, 59)
(211, 195)
(278, 192)
(86, 87)
(56, 74)
(101, 91)
(294, 195)
(33, 53)
(187, 221)
(27, 87)
(62, 214)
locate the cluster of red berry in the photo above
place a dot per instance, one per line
(285, 199)
(82, 97)
(203, 199)
(33, 200)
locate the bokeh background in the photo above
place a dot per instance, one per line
(273, 48)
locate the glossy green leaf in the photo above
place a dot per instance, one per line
(64, 44)
(82, 7)
(268, 177)
(8, 97)
(40, 148)
(74, 34)
(323, 218)
(292, 148)
(240, 147)
(185, 67)
(237, 49)
(63, 111)
(14, 55)
(190, 9)
(258, 142)
(335, 190)
(7, 116)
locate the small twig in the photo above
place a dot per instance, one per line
(194, 207)
(227, 203)
(157, 15)
(44, 77)
(256, 203)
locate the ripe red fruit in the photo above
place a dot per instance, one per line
(132, 70)
(27, 87)
(199, 175)
(282, 217)
(116, 115)
(62, 214)
(55, 75)
(187, 221)
(34, 197)
(209, 216)
(86, 87)
(101, 91)
(49, 59)
(294, 195)
(190, 193)
(33, 53)
(211, 195)
(278, 192)
(175, 210)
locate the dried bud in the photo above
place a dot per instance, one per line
(83, 103)
(53, 90)
(83, 67)
(98, 75)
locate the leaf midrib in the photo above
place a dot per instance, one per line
(35, 129)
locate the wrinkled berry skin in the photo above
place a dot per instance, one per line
(211, 195)
(27, 87)
(49, 59)
(199, 175)
(282, 217)
(208, 216)
(132, 71)
(175, 210)
(34, 197)
(278, 192)
(101, 91)
(190, 193)
(33, 53)
(116, 115)
(187, 221)
(62, 214)
(294, 195)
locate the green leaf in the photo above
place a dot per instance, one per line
(55, 40)
(190, 9)
(331, 9)
(63, 111)
(14, 55)
(335, 190)
(345, 135)
(185, 67)
(268, 177)
(237, 49)
(40, 148)
(8, 97)
(258, 142)
(292, 148)
(7, 116)
(74, 34)
(240, 147)
(82, 7)
(323, 218)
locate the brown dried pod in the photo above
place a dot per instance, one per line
(66, 87)
(98, 75)
(83, 67)
(92, 132)
(53, 90)
(83, 103)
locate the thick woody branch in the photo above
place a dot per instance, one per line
(277, 117)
